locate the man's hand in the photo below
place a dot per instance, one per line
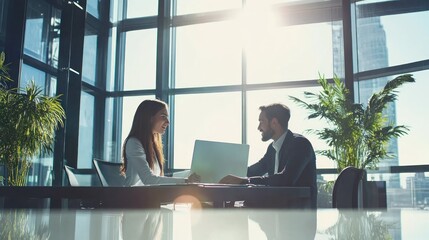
(194, 178)
(231, 179)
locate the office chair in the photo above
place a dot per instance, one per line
(346, 188)
(70, 173)
(79, 178)
(109, 173)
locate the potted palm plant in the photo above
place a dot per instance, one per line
(357, 134)
(28, 121)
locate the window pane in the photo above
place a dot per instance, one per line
(140, 60)
(35, 34)
(129, 108)
(413, 190)
(86, 130)
(386, 41)
(139, 8)
(197, 6)
(40, 171)
(89, 62)
(111, 60)
(298, 122)
(111, 144)
(42, 32)
(410, 112)
(29, 74)
(92, 7)
(54, 38)
(208, 55)
(365, 90)
(213, 117)
(53, 86)
(276, 54)
(409, 149)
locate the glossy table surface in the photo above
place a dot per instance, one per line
(183, 221)
(154, 196)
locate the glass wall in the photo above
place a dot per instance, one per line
(229, 58)
(384, 52)
(216, 62)
(211, 116)
(207, 54)
(41, 40)
(226, 58)
(140, 59)
(41, 50)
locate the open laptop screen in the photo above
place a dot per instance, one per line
(214, 160)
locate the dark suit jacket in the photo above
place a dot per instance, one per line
(297, 166)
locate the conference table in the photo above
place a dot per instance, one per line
(154, 196)
(185, 222)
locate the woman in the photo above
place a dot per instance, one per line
(143, 158)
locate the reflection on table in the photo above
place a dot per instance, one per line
(183, 222)
(154, 196)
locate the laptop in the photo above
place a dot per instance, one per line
(215, 160)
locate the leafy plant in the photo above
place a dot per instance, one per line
(357, 135)
(4, 71)
(360, 225)
(27, 124)
(17, 224)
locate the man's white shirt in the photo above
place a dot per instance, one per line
(277, 145)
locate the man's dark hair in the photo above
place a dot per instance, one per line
(279, 111)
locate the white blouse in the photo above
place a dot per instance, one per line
(138, 171)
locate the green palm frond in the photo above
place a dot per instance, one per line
(357, 135)
(28, 120)
(4, 70)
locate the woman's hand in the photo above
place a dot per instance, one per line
(194, 178)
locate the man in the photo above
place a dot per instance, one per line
(289, 160)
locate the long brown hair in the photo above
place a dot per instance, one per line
(142, 130)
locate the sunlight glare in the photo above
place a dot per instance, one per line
(257, 22)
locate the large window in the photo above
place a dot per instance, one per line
(411, 149)
(199, 6)
(249, 55)
(383, 40)
(208, 54)
(41, 40)
(89, 62)
(216, 62)
(140, 59)
(86, 130)
(138, 8)
(39, 63)
(289, 53)
(214, 117)
(384, 52)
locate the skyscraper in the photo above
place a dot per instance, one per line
(372, 53)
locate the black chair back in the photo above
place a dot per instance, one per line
(109, 173)
(346, 188)
(81, 177)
